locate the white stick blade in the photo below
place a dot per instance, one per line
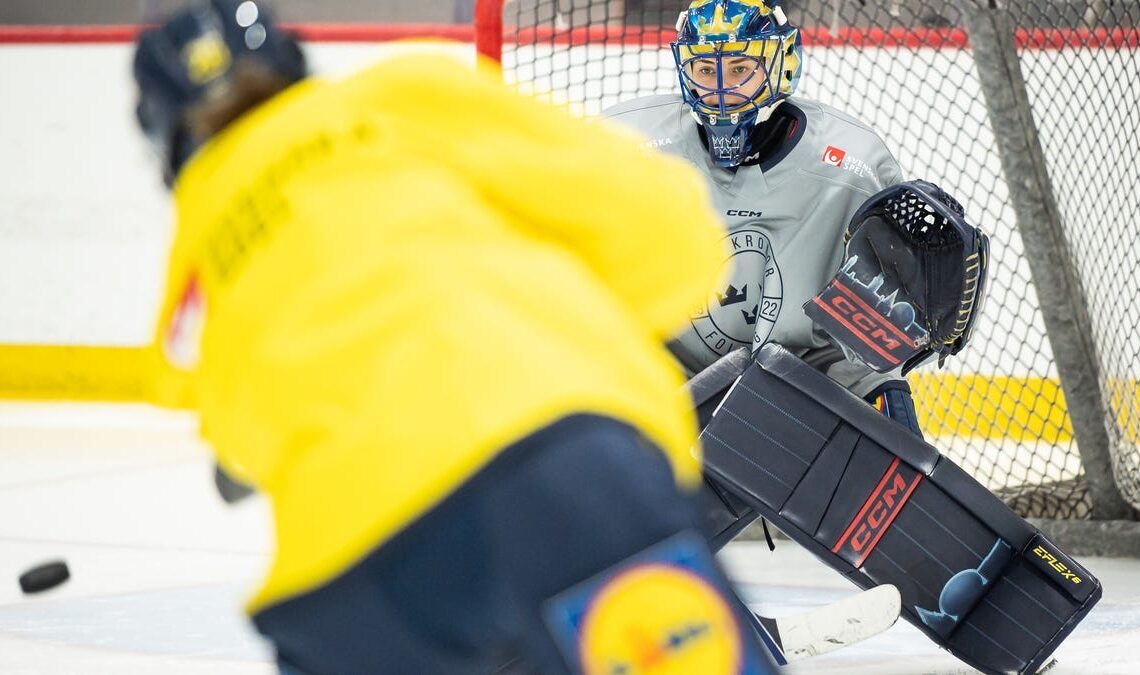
(839, 624)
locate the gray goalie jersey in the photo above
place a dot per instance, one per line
(784, 219)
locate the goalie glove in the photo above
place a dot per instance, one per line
(911, 284)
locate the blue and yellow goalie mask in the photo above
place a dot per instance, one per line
(736, 60)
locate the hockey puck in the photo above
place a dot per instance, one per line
(230, 489)
(42, 577)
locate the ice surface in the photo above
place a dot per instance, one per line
(160, 566)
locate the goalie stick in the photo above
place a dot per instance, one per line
(840, 624)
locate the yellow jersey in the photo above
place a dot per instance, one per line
(379, 282)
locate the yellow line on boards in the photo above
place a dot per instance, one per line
(964, 405)
(82, 373)
(991, 406)
(39, 372)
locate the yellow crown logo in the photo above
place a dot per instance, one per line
(206, 58)
(761, 5)
(720, 24)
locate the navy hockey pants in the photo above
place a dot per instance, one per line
(461, 589)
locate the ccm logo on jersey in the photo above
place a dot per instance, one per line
(877, 514)
(1052, 561)
(834, 156)
(741, 213)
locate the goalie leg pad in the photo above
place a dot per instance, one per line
(879, 505)
(722, 514)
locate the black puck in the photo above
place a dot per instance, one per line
(229, 488)
(45, 576)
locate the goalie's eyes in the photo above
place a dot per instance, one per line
(733, 74)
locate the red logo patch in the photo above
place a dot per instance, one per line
(184, 332)
(833, 156)
(877, 514)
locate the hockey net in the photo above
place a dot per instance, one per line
(909, 69)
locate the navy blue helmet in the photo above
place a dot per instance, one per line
(192, 57)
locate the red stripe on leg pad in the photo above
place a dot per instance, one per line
(877, 513)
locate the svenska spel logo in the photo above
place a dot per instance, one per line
(834, 156)
(661, 620)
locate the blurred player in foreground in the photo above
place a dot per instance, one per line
(418, 317)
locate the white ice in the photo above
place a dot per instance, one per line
(160, 566)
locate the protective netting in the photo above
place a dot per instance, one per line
(908, 70)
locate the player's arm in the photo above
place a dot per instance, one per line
(640, 220)
(888, 393)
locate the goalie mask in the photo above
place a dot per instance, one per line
(912, 283)
(736, 60)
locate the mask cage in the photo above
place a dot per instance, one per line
(769, 57)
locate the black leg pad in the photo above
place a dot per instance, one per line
(879, 505)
